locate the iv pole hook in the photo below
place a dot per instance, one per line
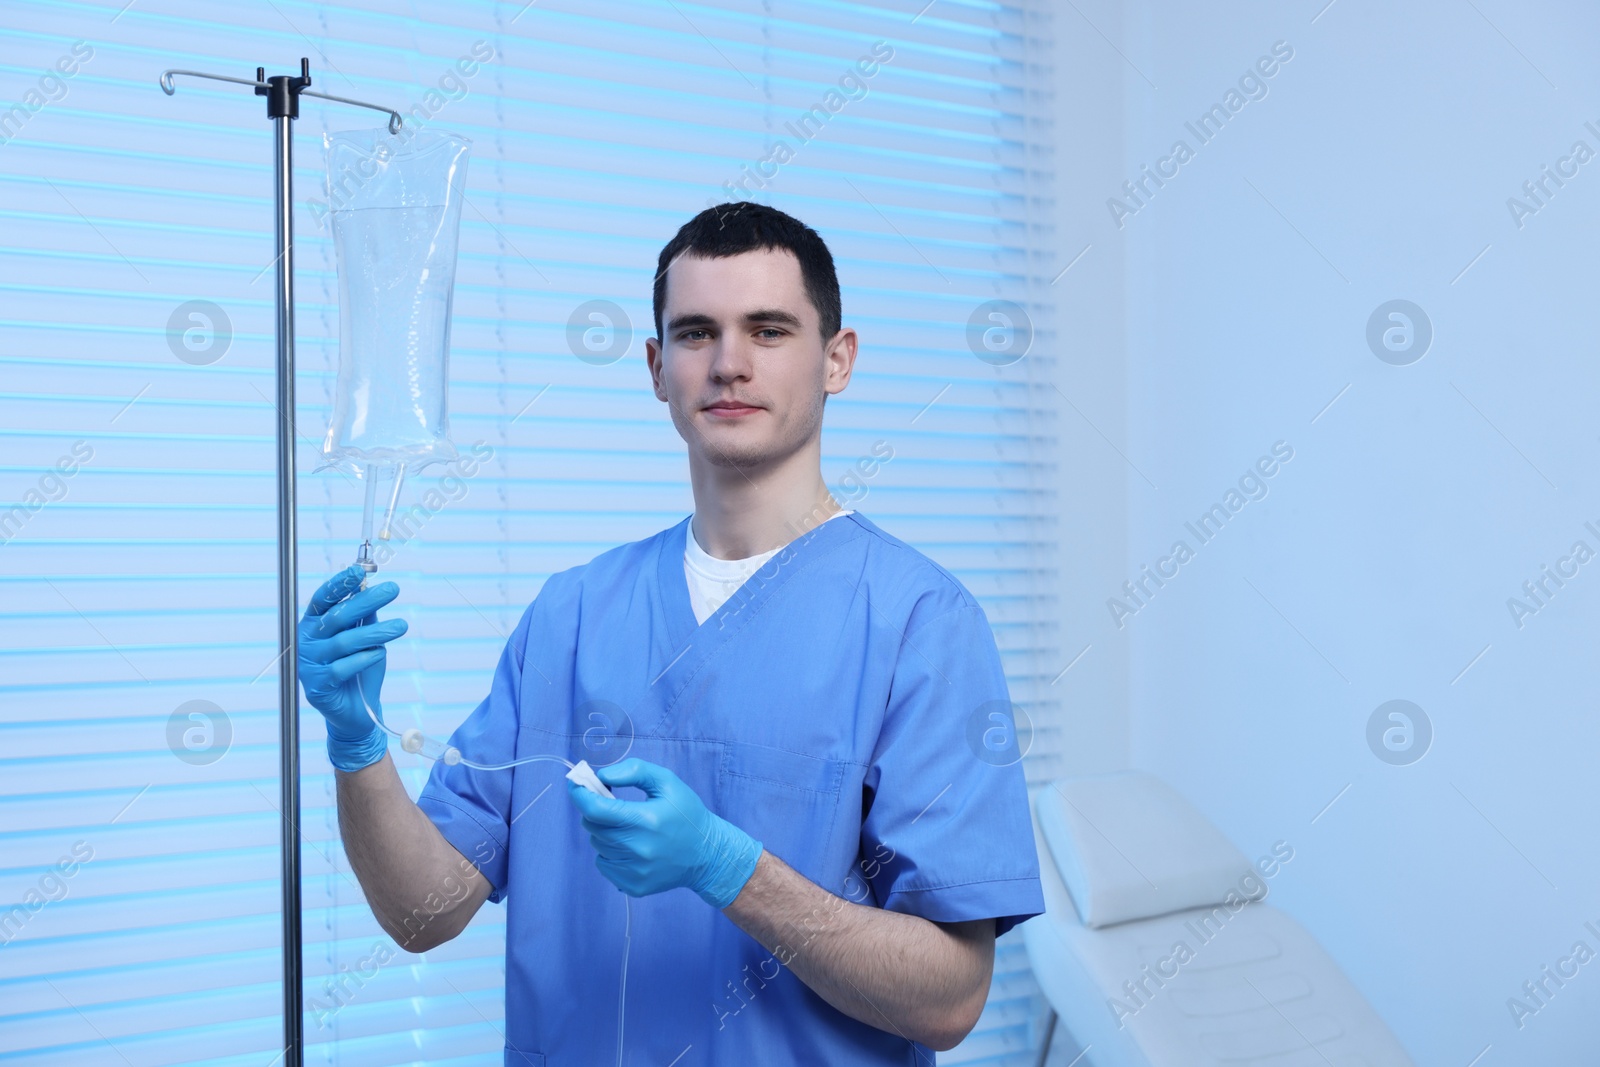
(262, 87)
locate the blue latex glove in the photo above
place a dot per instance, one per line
(341, 646)
(667, 840)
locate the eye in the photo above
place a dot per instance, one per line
(689, 335)
(772, 332)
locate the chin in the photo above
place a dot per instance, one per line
(736, 455)
(735, 446)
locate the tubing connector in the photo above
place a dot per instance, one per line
(369, 566)
(415, 741)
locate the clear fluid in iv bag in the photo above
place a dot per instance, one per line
(396, 277)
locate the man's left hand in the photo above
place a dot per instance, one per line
(667, 840)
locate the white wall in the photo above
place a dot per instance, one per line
(1090, 374)
(1379, 565)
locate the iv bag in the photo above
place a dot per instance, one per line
(395, 202)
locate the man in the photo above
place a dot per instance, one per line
(812, 750)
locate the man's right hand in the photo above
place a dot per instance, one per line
(341, 648)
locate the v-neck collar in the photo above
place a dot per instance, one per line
(674, 586)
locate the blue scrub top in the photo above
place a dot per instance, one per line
(840, 708)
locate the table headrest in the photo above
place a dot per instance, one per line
(1129, 847)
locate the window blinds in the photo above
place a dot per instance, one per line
(138, 834)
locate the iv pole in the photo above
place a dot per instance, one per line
(283, 94)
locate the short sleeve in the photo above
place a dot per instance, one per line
(472, 808)
(948, 835)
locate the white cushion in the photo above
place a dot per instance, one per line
(1129, 847)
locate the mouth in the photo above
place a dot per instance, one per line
(730, 409)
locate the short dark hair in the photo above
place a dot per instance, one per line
(729, 229)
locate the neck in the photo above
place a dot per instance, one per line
(744, 511)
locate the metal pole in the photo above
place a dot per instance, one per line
(283, 107)
(288, 603)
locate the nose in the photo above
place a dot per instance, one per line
(731, 359)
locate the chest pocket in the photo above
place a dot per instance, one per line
(789, 801)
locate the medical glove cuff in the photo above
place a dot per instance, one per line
(731, 861)
(354, 755)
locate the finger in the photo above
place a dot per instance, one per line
(344, 669)
(315, 649)
(334, 590)
(602, 811)
(616, 875)
(587, 803)
(360, 606)
(653, 778)
(615, 831)
(358, 638)
(611, 849)
(351, 612)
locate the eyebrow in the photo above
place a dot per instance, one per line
(776, 316)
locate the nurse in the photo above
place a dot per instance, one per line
(820, 819)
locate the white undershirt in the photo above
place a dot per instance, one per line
(711, 580)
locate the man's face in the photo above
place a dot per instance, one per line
(743, 366)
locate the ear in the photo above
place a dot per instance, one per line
(839, 359)
(653, 356)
